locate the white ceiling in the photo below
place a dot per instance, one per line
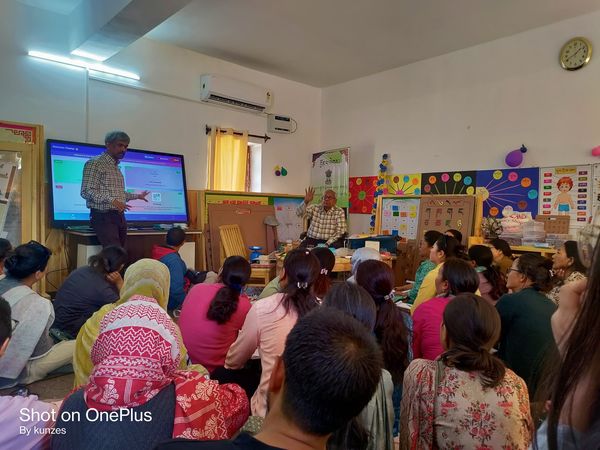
(317, 42)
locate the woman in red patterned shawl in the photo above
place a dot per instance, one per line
(137, 396)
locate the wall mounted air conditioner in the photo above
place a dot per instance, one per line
(233, 93)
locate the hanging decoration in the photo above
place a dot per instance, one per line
(280, 171)
(380, 190)
(596, 151)
(515, 157)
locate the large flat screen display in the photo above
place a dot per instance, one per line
(163, 174)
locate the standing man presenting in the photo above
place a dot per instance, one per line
(103, 189)
(327, 221)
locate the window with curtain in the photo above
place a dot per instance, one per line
(228, 160)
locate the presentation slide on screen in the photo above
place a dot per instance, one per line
(160, 174)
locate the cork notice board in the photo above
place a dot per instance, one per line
(440, 212)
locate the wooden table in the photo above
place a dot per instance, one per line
(261, 274)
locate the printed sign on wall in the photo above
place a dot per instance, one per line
(330, 170)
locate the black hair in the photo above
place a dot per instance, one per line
(392, 334)
(326, 261)
(537, 269)
(301, 270)
(235, 274)
(572, 251)
(451, 247)
(460, 275)
(5, 321)
(5, 248)
(175, 236)
(483, 257)
(110, 259)
(473, 328)
(353, 300)
(27, 259)
(503, 246)
(455, 234)
(431, 236)
(332, 369)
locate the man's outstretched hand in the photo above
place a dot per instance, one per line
(309, 194)
(142, 195)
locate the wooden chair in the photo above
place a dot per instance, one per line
(232, 244)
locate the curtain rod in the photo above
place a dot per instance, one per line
(238, 133)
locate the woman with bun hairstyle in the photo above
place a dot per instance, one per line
(467, 398)
(455, 277)
(503, 255)
(492, 283)
(31, 354)
(526, 338)
(270, 320)
(88, 289)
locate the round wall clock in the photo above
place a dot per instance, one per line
(575, 54)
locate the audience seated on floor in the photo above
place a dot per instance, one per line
(21, 416)
(372, 429)
(136, 378)
(328, 372)
(467, 398)
(566, 268)
(270, 320)
(503, 255)
(455, 277)
(526, 339)
(427, 265)
(146, 277)
(360, 255)
(492, 283)
(87, 289)
(5, 249)
(181, 276)
(32, 353)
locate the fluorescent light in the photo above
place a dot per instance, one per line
(86, 65)
(87, 55)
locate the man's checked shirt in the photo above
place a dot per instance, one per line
(102, 183)
(329, 225)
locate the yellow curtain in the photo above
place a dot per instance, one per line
(227, 160)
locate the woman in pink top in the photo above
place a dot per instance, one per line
(492, 283)
(270, 320)
(213, 314)
(455, 277)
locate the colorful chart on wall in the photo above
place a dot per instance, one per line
(505, 191)
(567, 191)
(290, 225)
(400, 216)
(403, 184)
(449, 183)
(330, 171)
(596, 189)
(362, 194)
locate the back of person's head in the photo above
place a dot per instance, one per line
(332, 368)
(472, 328)
(537, 269)
(503, 246)
(579, 373)
(175, 237)
(301, 271)
(353, 300)
(392, 334)
(572, 251)
(27, 259)
(460, 275)
(455, 234)
(326, 261)
(483, 257)
(431, 236)
(116, 135)
(110, 259)
(363, 254)
(451, 247)
(234, 276)
(5, 248)
(5, 321)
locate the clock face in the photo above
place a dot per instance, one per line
(575, 54)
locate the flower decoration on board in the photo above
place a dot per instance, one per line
(381, 188)
(280, 171)
(515, 158)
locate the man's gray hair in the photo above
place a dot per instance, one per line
(116, 135)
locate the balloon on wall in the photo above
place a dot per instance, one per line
(515, 157)
(596, 151)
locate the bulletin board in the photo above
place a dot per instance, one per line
(440, 212)
(398, 216)
(505, 191)
(449, 183)
(362, 194)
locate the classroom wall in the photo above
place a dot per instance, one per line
(467, 109)
(167, 119)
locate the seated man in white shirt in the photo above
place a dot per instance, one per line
(327, 221)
